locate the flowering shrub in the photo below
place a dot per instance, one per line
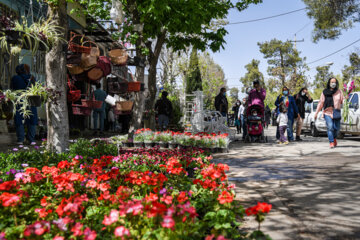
(138, 194)
(348, 88)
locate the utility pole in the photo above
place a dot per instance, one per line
(295, 70)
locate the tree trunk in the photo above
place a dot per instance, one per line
(57, 115)
(153, 60)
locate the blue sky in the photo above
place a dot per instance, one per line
(242, 39)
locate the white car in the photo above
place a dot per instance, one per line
(310, 125)
(352, 125)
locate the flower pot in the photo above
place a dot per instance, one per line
(138, 144)
(213, 150)
(223, 150)
(149, 144)
(163, 144)
(13, 37)
(128, 144)
(7, 107)
(173, 145)
(35, 101)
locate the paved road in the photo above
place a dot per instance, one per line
(315, 191)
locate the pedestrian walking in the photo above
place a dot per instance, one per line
(267, 116)
(221, 102)
(242, 111)
(163, 107)
(237, 116)
(22, 81)
(99, 113)
(301, 98)
(111, 119)
(282, 121)
(292, 112)
(331, 100)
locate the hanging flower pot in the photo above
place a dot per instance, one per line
(13, 37)
(34, 101)
(7, 107)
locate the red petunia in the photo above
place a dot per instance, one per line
(225, 197)
(259, 208)
(182, 197)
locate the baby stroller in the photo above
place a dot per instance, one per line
(255, 120)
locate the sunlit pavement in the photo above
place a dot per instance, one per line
(314, 190)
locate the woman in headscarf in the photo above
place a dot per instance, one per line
(331, 100)
(22, 81)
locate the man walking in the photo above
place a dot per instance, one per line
(163, 107)
(221, 103)
(301, 98)
(100, 95)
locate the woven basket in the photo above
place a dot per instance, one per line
(118, 56)
(74, 69)
(81, 110)
(93, 104)
(124, 106)
(77, 47)
(95, 74)
(134, 86)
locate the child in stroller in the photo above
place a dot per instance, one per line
(255, 124)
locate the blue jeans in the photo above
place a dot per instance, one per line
(163, 121)
(333, 128)
(290, 130)
(244, 125)
(96, 115)
(20, 132)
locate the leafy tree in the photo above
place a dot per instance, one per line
(234, 94)
(285, 62)
(213, 78)
(322, 76)
(193, 78)
(332, 16)
(253, 73)
(352, 71)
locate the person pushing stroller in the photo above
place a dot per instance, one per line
(255, 113)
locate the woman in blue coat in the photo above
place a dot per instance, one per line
(22, 81)
(292, 111)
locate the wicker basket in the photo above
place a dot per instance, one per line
(81, 110)
(134, 86)
(93, 104)
(118, 56)
(124, 106)
(77, 47)
(74, 69)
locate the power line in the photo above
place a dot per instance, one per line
(335, 52)
(261, 19)
(303, 28)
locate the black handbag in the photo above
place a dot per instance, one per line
(337, 114)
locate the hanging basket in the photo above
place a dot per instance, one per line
(93, 104)
(95, 74)
(34, 101)
(78, 47)
(74, 69)
(117, 87)
(118, 56)
(124, 106)
(134, 86)
(81, 110)
(73, 94)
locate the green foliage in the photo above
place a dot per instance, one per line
(322, 76)
(94, 149)
(177, 112)
(253, 73)
(213, 78)
(285, 63)
(332, 16)
(193, 78)
(350, 72)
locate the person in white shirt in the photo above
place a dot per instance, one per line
(282, 120)
(111, 119)
(242, 118)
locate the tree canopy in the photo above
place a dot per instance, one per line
(253, 73)
(332, 16)
(322, 76)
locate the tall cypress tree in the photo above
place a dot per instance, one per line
(193, 78)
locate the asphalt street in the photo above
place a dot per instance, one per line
(314, 190)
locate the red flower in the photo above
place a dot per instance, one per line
(7, 186)
(259, 208)
(152, 197)
(182, 197)
(89, 234)
(225, 197)
(9, 199)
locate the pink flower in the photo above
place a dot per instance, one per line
(58, 238)
(77, 229)
(113, 217)
(121, 231)
(89, 235)
(2, 236)
(168, 222)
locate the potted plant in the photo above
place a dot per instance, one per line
(139, 140)
(165, 138)
(7, 99)
(149, 139)
(223, 143)
(173, 144)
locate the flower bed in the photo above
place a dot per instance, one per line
(169, 139)
(139, 194)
